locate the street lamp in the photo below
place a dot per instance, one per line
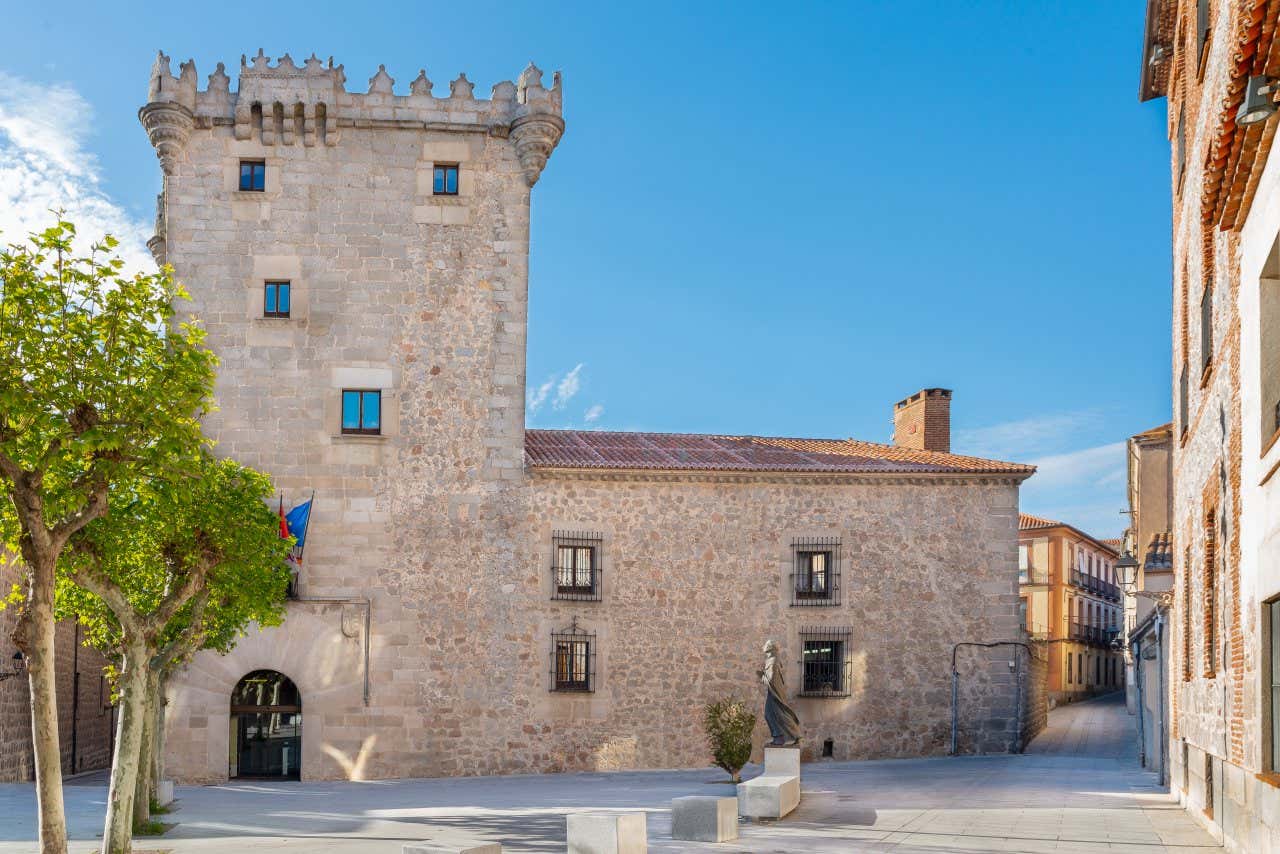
(1127, 566)
(1258, 103)
(19, 665)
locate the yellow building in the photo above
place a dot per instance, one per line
(1071, 598)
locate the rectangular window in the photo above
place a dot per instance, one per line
(1206, 327)
(1183, 406)
(815, 579)
(575, 569)
(253, 176)
(1210, 582)
(444, 180)
(573, 660)
(275, 301)
(1181, 142)
(1070, 674)
(362, 412)
(824, 662)
(1186, 615)
(1271, 673)
(1202, 27)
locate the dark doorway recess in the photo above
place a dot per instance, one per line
(266, 728)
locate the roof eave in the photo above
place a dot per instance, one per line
(587, 471)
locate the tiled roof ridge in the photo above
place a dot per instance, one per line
(578, 448)
(1028, 522)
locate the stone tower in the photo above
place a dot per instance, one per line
(400, 224)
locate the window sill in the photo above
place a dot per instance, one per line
(1271, 778)
(1270, 443)
(360, 438)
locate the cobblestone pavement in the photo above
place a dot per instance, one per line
(1078, 789)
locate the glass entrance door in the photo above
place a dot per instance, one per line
(266, 727)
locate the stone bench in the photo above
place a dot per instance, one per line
(704, 818)
(164, 793)
(776, 792)
(607, 833)
(432, 848)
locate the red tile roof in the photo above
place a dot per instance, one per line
(1159, 552)
(598, 449)
(1027, 522)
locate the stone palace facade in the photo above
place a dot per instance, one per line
(478, 598)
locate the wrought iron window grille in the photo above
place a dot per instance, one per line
(815, 576)
(573, 660)
(825, 662)
(575, 565)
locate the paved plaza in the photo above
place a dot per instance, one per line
(1078, 789)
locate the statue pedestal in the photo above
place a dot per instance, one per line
(776, 792)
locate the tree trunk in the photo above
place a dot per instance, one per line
(117, 834)
(142, 790)
(36, 629)
(157, 734)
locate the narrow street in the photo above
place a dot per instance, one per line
(1078, 789)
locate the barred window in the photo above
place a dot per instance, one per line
(824, 662)
(815, 579)
(575, 565)
(573, 660)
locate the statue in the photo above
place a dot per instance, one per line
(784, 726)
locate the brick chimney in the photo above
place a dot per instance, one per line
(923, 420)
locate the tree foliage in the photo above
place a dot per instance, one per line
(99, 391)
(729, 724)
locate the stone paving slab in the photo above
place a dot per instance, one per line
(1073, 794)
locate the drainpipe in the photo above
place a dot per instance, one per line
(1135, 652)
(1164, 723)
(955, 691)
(368, 622)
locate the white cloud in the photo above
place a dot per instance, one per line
(568, 387)
(44, 166)
(1024, 437)
(1085, 488)
(593, 414)
(538, 396)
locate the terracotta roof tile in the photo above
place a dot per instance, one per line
(1114, 542)
(1161, 432)
(598, 449)
(1027, 522)
(1159, 552)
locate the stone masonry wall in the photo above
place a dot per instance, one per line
(435, 534)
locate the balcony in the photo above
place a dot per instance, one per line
(1093, 635)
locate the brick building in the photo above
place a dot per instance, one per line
(1211, 59)
(85, 714)
(1071, 601)
(477, 598)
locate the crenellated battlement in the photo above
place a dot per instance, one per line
(287, 103)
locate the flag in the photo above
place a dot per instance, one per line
(295, 524)
(284, 526)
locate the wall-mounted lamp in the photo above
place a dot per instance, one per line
(19, 667)
(1259, 103)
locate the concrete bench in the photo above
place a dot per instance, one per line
(776, 792)
(607, 833)
(164, 793)
(704, 818)
(432, 848)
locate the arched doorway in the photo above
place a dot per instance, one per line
(266, 727)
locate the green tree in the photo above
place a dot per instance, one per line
(99, 390)
(729, 725)
(179, 565)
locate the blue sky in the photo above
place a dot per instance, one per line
(757, 222)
